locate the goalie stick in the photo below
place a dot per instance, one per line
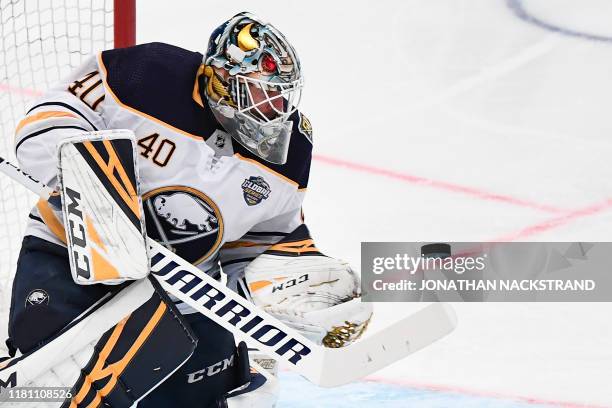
(323, 366)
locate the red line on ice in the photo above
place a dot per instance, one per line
(442, 185)
(475, 393)
(556, 221)
(564, 217)
(22, 91)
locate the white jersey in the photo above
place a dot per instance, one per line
(204, 195)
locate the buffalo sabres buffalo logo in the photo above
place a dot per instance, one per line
(37, 297)
(185, 220)
(255, 190)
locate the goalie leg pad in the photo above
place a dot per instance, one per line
(123, 364)
(216, 368)
(134, 357)
(44, 297)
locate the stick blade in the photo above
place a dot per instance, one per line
(392, 344)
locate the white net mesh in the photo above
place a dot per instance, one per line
(41, 42)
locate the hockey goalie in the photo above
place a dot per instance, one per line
(223, 158)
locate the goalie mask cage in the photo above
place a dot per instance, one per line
(42, 41)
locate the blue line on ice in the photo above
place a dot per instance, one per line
(371, 395)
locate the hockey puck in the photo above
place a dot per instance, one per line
(436, 250)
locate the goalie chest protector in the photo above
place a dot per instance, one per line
(200, 188)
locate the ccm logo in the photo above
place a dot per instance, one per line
(238, 313)
(290, 283)
(78, 237)
(210, 370)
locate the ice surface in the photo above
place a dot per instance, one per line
(299, 393)
(468, 94)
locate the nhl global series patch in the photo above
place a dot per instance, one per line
(255, 190)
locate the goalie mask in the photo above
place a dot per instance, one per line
(253, 85)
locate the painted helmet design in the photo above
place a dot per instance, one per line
(253, 84)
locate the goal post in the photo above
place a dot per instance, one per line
(124, 23)
(42, 41)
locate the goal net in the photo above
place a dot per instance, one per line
(42, 41)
